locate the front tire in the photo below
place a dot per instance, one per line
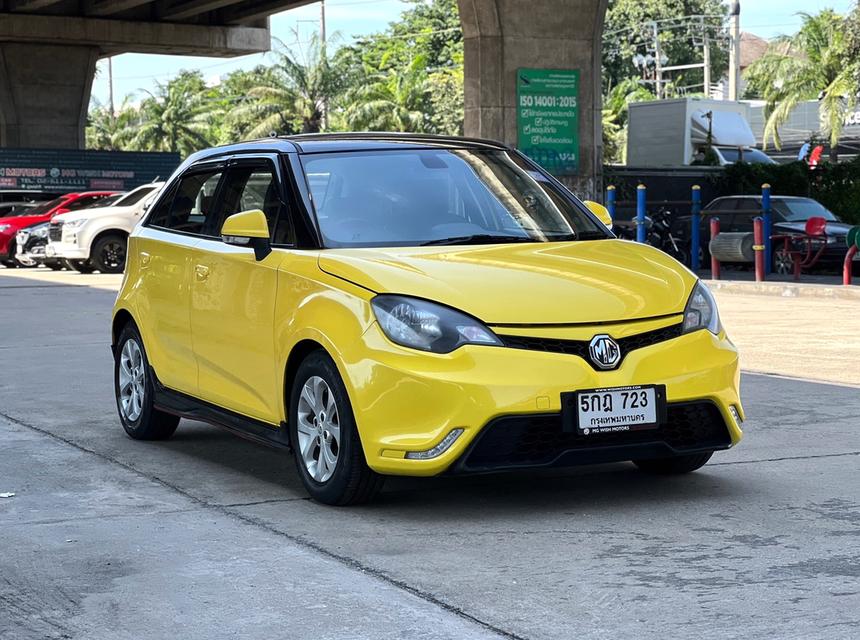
(108, 254)
(134, 392)
(326, 444)
(675, 465)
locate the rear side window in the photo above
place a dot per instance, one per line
(728, 204)
(190, 204)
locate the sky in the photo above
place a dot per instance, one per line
(355, 18)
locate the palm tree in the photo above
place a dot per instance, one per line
(812, 64)
(292, 96)
(391, 101)
(110, 131)
(175, 117)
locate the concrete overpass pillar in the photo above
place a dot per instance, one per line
(44, 94)
(502, 36)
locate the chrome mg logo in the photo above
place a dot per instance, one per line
(604, 351)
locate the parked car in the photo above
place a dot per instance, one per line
(413, 305)
(26, 195)
(789, 216)
(96, 238)
(8, 209)
(10, 225)
(30, 247)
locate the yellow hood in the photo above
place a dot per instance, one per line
(535, 283)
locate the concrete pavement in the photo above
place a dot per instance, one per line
(210, 536)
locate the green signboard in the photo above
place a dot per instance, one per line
(548, 118)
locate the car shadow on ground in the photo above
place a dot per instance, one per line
(587, 487)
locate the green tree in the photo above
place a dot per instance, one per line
(814, 63)
(175, 116)
(391, 101)
(110, 132)
(291, 97)
(614, 117)
(628, 31)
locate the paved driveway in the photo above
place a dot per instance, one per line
(209, 536)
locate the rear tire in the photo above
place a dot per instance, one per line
(108, 254)
(134, 391)
(675, 465)
(326, 444)
(81, 266)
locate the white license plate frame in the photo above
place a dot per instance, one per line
(638, 420)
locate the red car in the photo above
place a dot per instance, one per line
(9, 226)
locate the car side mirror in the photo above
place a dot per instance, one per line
(248, 229)
(600, 211)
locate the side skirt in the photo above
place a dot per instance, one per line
(186, 406)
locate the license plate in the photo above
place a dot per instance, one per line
(615, 409)
(19, 250)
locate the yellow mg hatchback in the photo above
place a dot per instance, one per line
(413, 305)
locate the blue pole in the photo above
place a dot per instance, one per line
(610, 201)
(765, 214)
(695, 231)
(641, 232)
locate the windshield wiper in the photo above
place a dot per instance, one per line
(479, 238)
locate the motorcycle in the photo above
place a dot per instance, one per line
(660, 235)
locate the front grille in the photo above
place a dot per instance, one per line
(55, 231)
(539, 440)
(580, 347)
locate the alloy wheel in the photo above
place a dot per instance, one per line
(783, 263)
(131, 380)
(113, 254)
(318, 429)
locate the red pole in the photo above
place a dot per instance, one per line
(715, 264)
(758, 247)
(846, 266)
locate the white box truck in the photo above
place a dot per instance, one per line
(674, 133)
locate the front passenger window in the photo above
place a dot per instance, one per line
(194, 202)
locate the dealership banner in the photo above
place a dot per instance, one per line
(75, 170)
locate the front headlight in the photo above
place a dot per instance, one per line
(420, 324)
(74, 224)
(41, 232)
(701, 311)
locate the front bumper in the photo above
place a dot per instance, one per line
(408, 401)
(67, 250)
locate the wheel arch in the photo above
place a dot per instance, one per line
(301, 350)
(121, 318)
(109, 231)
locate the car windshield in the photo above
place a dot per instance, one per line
(753, 156)
(134, 197)
(439, 196)
(802, 210)
(39, 209)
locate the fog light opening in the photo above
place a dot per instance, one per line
(438, 450)
(735, 414)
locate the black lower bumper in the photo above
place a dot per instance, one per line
(526, 441)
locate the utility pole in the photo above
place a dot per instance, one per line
(734, 49)
(658, 65)
(707, 61)
(110, 88)
(324, 60)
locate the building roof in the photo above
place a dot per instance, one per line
(753, 47)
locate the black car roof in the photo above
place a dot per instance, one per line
(334, 142)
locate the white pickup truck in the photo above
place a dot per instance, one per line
(96, 239)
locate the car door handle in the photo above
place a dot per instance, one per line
(201, 272)
(144, 259)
